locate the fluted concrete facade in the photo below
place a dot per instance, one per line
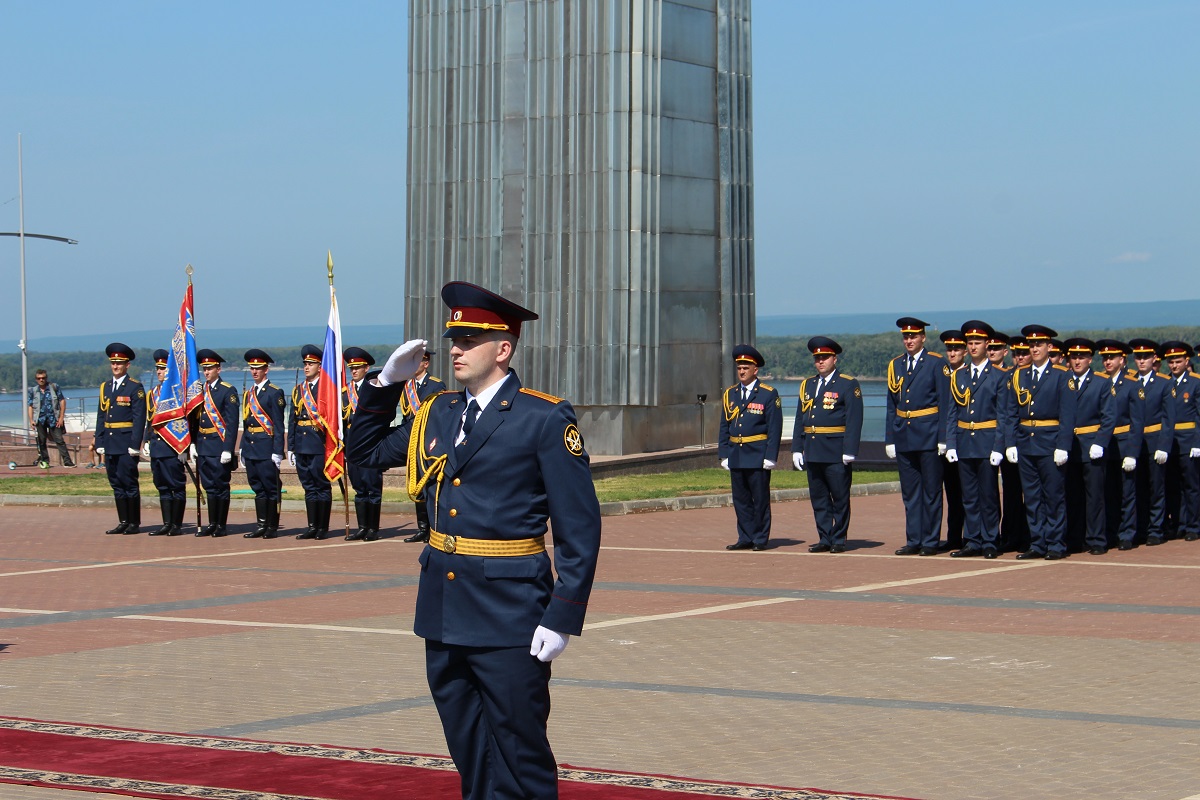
(591, 159)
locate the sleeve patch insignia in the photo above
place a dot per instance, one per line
(857, 392)
(946, 370)
(573, 439)
(778, 402)
(1071, 384)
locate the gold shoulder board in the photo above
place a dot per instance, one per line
(549, 398)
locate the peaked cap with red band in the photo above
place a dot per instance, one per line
(160, 357)
(745, 354)
(1143, 347)
(1112, 347)
(257, 358)
(1038, 333)
(1079, 346)
(119, 352)
(911, 325)
(1176, 348)
(357, 357)
(977, 329)
(311, 354)
(475, 310)
(208, 358)
(824, 346)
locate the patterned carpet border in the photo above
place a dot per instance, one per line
(357, 755)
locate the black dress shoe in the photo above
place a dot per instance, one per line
(837, 548)
(739, 546)
(967, 552)
(120, 528)
(1191, 537)
(1125, 546)
(371, 535)
(820, 547)
(990, 552)
(419, 536)
(1153, 540)
(759, 547)
(928, 551)
(356, 536)
(308, 534)
(1029, 555)
(1055, 555)
(1097, 551)
(946, 547)
(255, 534)
(908, 550)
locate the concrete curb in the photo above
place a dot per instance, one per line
(612, 509)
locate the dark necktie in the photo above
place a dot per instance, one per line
(114, 386)
(469, 419)
(910, 365)
(974, 374)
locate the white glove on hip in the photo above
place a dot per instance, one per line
(889, 450)
(847, 458)
(1128, 464)
(1011, 454)
(100, 450)
(403, 363)
(1160, 456)
(1195, 453)
(226, 457)
(1060, 457)
(145, 452)
(1095, 452)
(995, 458)
(292, 459)
(952, 455)
(725, 464)
(547, 645)
(276, 459)
(768, 464)
(798, 461)
(135, 452)
(941, 449)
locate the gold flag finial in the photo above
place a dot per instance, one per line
(330, 253)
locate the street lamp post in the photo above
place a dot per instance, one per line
(21, 234)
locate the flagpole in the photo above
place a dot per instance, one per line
(341, 479)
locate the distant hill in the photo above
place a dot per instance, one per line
(1093, 316)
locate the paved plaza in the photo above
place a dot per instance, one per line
(931, 678)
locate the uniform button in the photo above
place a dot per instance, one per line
(454, 512)
(456, 481)
(449, 576)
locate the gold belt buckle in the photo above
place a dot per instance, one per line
(451, 544)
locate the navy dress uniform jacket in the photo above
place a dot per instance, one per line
(917, 404)
(1041, 416)
(758, 418)
(1159, 407)
(159, 448)
(974, 426)
(1187, 412)
(305, 436)
(1128, 415)
(259, 444)
(1094, 417)
(524, 465)
(829, 426)
(121, 418)
(204, 432)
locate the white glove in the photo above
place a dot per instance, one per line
(798, 461)
(1128, 464)
(951, 455)
(100, 450)
(403, 363)
(768, 464)
(136, 453)
(1195, 453)
(145, 450)
(276, 459)
(547, 644)
(847, 458)
(1160, 456)
(889, 450)
(941, 449)
(995, 458)
(226, 457)
(1095, 452)
(292, 459)
(725, 464)
(1060, 457)
(183, 457)
(1011, 454)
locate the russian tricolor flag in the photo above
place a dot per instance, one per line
(330, 386)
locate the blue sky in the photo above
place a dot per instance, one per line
(917, 155)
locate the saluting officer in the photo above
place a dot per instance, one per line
(975, 440)
(367, 482)
(1041, 425)
(1158, 433)
(416, 391)
(166, 465)
(751, 429)
(262, 443)
(306, 443)
(825, 441)
(956, 356)
(1128, 414)
(1086, 465)
(120, 427)
(1183, 475)
(215, 432)
(914, 434)
(501, 461)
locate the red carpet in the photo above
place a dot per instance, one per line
(91, 758)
